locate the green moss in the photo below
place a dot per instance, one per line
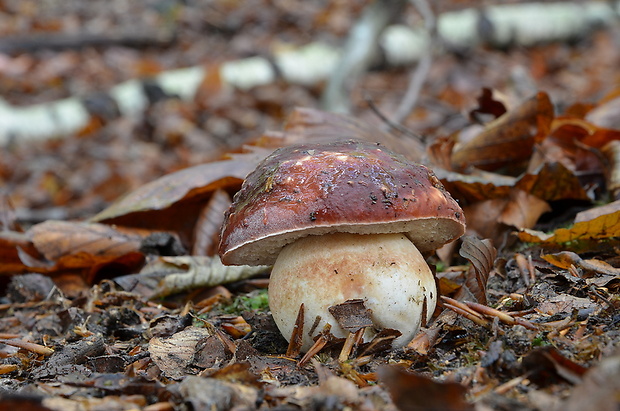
(254, 301)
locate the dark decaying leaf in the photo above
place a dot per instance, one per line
(413, 392)
(481, 254)
(552, 181)
(352, 315)
(487, 105)
(546, 365)
(599, 388)
(509, 140)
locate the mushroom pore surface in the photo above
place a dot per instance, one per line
(386, 271)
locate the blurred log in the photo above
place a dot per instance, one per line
(501, 26)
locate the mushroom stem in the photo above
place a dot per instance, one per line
(385, 270)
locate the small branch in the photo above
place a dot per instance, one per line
(361, 47)
(419, 75)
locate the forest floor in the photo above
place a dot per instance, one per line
(528, 319)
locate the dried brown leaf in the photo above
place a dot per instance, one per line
(551, 182)
(481, 254)
(493, 218)
(509, 140)
(352, 315)
(56, 239)
(174, 201)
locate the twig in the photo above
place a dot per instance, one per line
(359, 50)
(396, 126)
(419, 75)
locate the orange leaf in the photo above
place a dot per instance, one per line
(55, 239)
(509, 140)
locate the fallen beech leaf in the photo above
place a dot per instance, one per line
(567, 259)
(523, 210)
(605, 226)
(481, 254)
(552, 182)
(56, 239)
(595, 212)
(410, 391)
(491, 218)
(173, 202)
(509, 140)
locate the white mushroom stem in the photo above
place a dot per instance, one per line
(385, 270)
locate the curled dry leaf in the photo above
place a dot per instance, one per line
(509, 140)
(16, 253)
(587, 133)
(207, 232)
(171, 275)
(481, 254)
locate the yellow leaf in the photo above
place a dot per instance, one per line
(604, 226)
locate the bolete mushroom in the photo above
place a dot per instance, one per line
(341, 221)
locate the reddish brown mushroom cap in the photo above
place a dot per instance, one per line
(345, 186)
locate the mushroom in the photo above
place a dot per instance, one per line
(341, 221)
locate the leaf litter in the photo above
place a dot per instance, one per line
(115, 313)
